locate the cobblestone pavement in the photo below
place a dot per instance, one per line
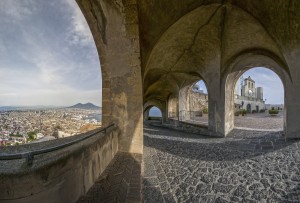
(120, 182)
(262, 121)
(247, 166)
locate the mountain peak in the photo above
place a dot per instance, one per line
(85, 106)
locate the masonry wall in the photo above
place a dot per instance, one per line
(198, 101)
(61, 176)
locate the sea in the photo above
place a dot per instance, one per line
(96, 116)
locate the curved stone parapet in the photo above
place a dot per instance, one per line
(59, 176)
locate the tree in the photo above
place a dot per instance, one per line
(31, 136)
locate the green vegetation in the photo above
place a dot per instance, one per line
(262, 111)
(254, 111)
(237, 113)
(205, 111)
(31, 136)
(273, 112)
(243, 112)
(58, 127)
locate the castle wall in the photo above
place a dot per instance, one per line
(198, 101)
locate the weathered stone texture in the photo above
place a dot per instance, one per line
(117, 23)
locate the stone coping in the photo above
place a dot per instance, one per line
(20, 166)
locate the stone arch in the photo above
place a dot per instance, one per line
(241, 64)
(161, 105)
(184, 98)
(147, 113)
(117, 42)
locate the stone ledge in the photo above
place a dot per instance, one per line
(60, 176)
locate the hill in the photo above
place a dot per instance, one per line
(89, 106)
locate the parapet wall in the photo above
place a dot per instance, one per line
(61, 176)
(189, 128)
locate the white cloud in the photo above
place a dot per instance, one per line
(15, 9)
(42, 67)
(79, 31)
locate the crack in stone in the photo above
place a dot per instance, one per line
(195, 37)
(100, 19)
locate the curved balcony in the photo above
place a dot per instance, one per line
(56, 171)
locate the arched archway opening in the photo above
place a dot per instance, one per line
(259, 100)
(153, 113)
(51, 63)
(236, 67)
(197, 103)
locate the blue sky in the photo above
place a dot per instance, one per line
(47, 54)
(154, 111)
(271, 83)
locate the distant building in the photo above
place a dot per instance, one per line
(249, 97)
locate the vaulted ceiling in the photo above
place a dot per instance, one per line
(184, 41)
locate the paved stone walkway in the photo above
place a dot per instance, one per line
(120, 182)
(247, 166)
(262, 121)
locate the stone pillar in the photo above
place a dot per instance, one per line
(146, 114)
(114, 25)
(220, 105)
(292, 111)
(292, 97)
(164, 113)
(173, 106)
(216, 108)
(183, 103)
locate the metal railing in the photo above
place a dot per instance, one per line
(30, 155)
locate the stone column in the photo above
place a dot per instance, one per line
(146, 115)
(292, 97)
(220, 106)
(114, 25)
(183, 103)
(164, 113)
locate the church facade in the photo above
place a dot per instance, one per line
(249, 97)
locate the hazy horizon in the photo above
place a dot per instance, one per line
(48, 105)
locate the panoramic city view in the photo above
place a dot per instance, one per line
(47, 70)
(149, 101)
(21, 125)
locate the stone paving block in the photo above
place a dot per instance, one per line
(246, 166)
(115, 185)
